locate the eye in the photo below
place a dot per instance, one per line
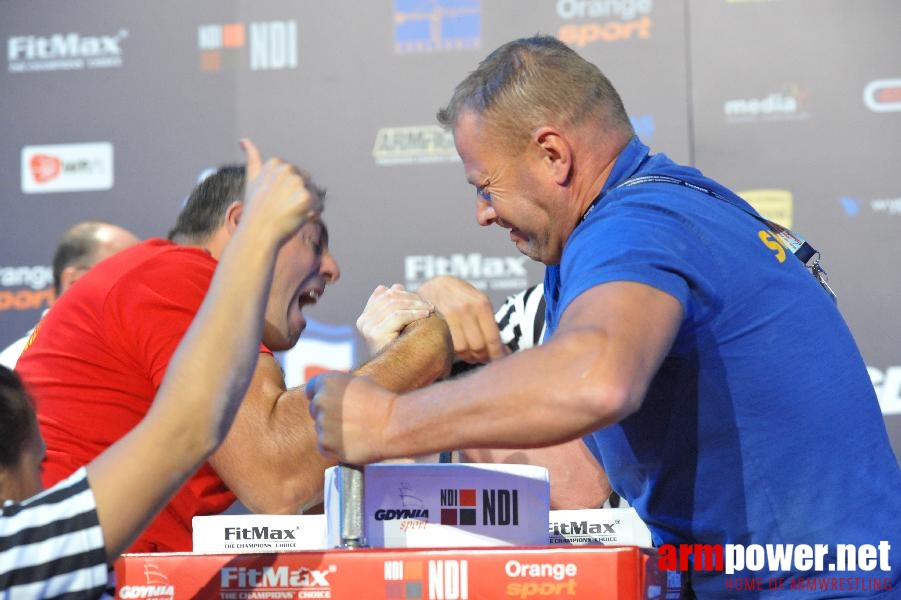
(483, 193)
(316, 243)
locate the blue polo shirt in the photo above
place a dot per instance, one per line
(761, 426)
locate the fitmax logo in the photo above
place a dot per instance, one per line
(259, 533)
(274, 577)
(64, 51)
(581, 528)
(464, 266)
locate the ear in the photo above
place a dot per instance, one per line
(556, 153)
(70, 275)
(233, 216)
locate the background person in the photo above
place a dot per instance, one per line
(82, 246)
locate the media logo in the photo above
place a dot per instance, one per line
(883, 95)
(259, 46)
(850, 205)
(482, 272)
(460, 507)
(879, 206)
(64, 52)
(32, 288)
(775, 205)
(157, 585)
(414, 144)
(437, 25)
(788, 103)
(887, 385)
(603, 21)
(67, 168)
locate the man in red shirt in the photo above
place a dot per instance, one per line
(99, 356)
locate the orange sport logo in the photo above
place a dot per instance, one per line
(591, 21)
(612, 31)
(26, 288)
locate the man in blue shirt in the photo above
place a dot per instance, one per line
(711, 375)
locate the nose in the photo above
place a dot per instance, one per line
(485, 214)
(328, 267)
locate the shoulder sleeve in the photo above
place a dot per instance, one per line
(638, 239)
(153, 307)
(59, 522)
(521, 318)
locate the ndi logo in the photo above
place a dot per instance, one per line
(448, 580)
(460, 507)
(261, 46)
(436, 26)
(403, 579)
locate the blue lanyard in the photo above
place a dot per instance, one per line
(796, 244)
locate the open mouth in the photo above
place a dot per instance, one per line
(309, 297)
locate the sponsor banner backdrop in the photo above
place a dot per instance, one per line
(113, 111)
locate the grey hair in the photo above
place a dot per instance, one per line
(533, 81)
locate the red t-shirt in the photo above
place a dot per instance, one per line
(97, 359)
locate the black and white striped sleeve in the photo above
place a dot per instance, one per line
(521, 319)
(51, 545)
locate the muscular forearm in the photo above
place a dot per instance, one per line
(592, 373)
(538, 397)
(422, 354)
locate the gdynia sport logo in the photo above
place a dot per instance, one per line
(746, 561)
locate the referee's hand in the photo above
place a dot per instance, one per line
(351, 416)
